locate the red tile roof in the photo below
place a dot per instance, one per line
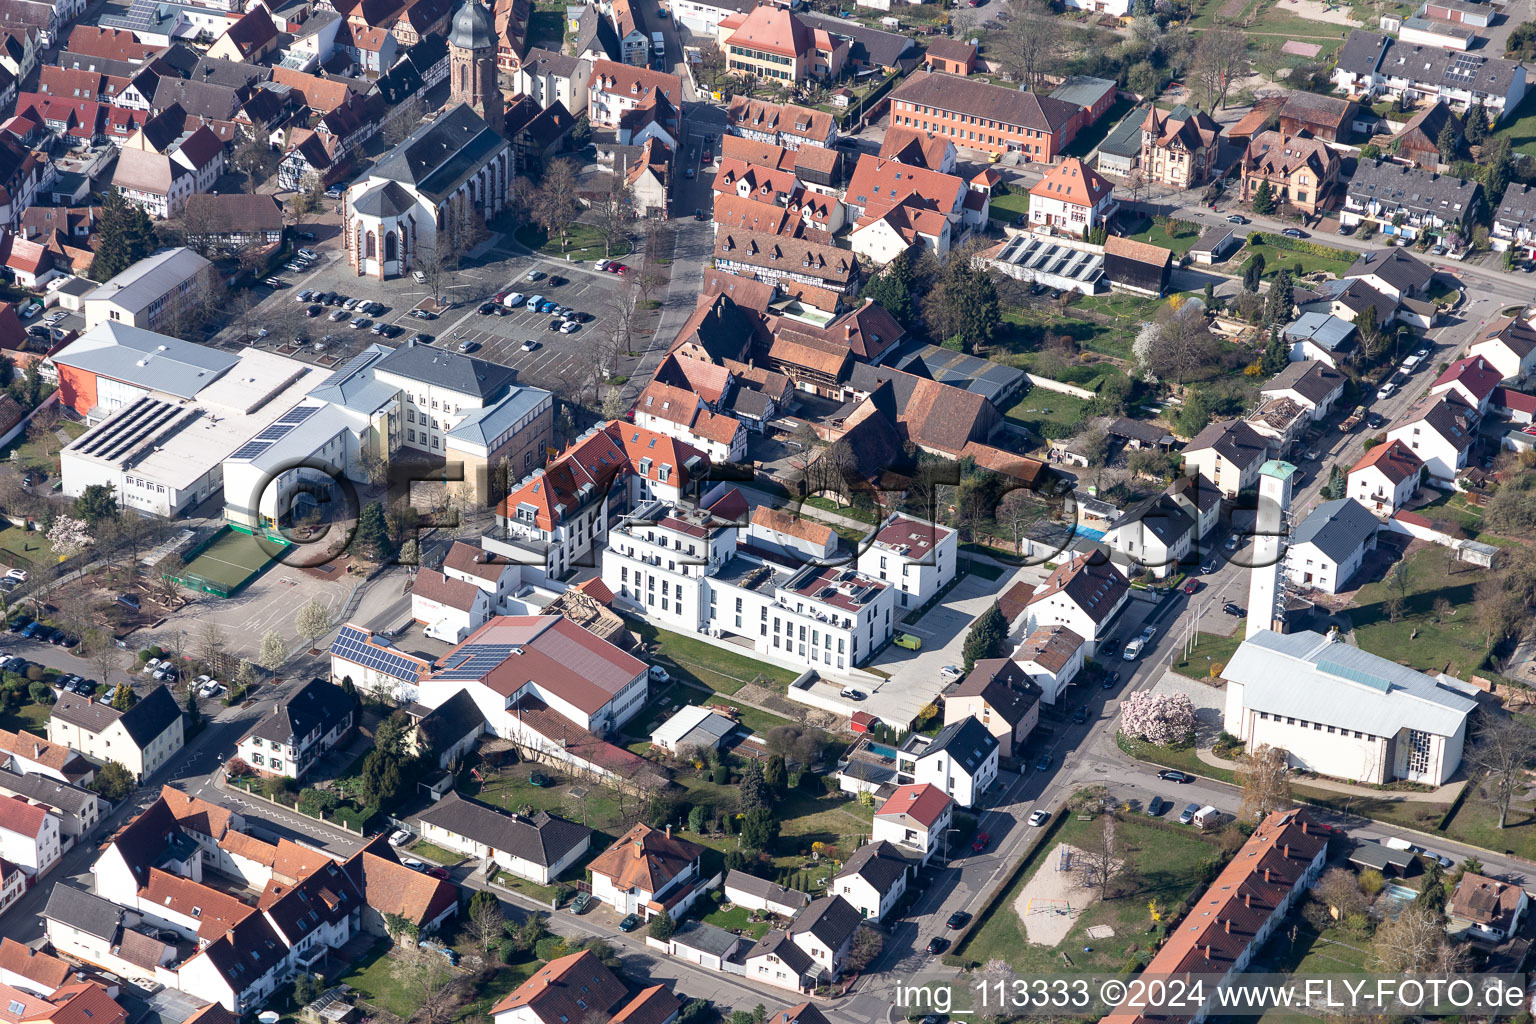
(554, 653)
(431, 585)
(569, 988)
(645, 859)
(46, 971)
(923, 804)
(1073, 182)
(1474, 373)
(16, 815)
(1395, 460)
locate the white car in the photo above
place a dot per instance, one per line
(1133, 649)
(950, 673)
(19, 575)
(150, 666)
(1387, 390)
(309, 254)
(601, 264)
(400, 837)
(570, 327)
(212, 688)
(1038, 818)
(414, 864)
(419, 276)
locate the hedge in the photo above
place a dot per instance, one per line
(1327, 252)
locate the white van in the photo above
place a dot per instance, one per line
(1207, 817)
(658, 46)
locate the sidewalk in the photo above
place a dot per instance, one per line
(1444, 795)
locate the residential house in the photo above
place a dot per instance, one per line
(1200, 500)
(1301, 171)
(634, 44)
(915, 819)
(29, 837)
(1507, 345)
(872, 881)
(449, 609)
(774, 43)
(1385, 478)
(919, 149)
(392, 890)
(786, 261)
(1395, 273)
(300, 729)
(161, 183)
(1485, 909)
(32, 970)
(1371, 65)
(999, 694)
(796, 538)
(563, 991)
(683, 415)
(648, 872)
(1514, 222)
(756, 893)
(539, 847)
(142, 739)
(1084, 594)
(1440, 430)
(249, 39)
(1343, 712)
(1312, 384)
(950, 56)
(920, 558)
(1406, 202)
(79, 809)
(1178, 147)
(1153, 535)
(895, 206)
(1051, 658)
(1072, 198)
(1246, 904)
(989, 118)
(1228, 453)
(547, 78)
(961, 760)
(233, 221)
(825, 931)
(779, 124)
(1472, 379)
(25, 752)
(157, 293)
(1320, 336)
(374, 665)
(617, 93)
(1327, 548)
(776, 960)
(447, 732)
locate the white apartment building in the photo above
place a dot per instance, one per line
(919, 558)
(1385, 478)
(29, 836)
(658, 559)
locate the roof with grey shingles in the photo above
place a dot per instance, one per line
(1234, 440)
(878, 863)
(447, 370)
(83, 911)
(544, 839)
(1311, 379)
(831, 919)
(1337, 528)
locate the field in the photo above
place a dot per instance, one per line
(1050, 414)
(711, 667)
(1024, 327)
(232, 560)
(1157, 234)
(1010, 206)
(22, 547)
(1165, 865)
(1521, 129)
(1417, 639)
(1276, 258)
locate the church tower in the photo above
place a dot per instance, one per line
(472, 63)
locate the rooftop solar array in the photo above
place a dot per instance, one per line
(474, 662)
(351, 366)
(354, 645)
(136, 426)
(279, 429)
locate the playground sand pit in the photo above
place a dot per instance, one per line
(1055, 897)
(1315, 10)
(1101, 931)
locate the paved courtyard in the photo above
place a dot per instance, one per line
(271, 602)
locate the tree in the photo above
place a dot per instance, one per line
(615, 211)
(962, 308)
(105, 655)
(754, 791)
(1503, 750)
(1449, 141)
(1340, 889)
(988, 635)
(1414, 942)
(1337, 482)
(1253, 272)
(485, 919)
(696, 818)
(1278, 303)
(1266, 782)
(759, 828)
(1276, 355)
(775, 776)
(167, 571)
(1101, 856)
(313, 621)
(96, 503)
(1399, 580)
(1157, 717)
(256, 159)
(113, 782)
(1094, 446)
(1177, 343)
(553, 204)
(68, 536)
(661, 927)
(40, 692)
(1263, 203)
(1221, 55)
(273, 651)
(1477, 124)
(211, 643)
(194, 713)
(431, 983)
(372, 533)
(866, 947)
(1029, 44)
(245, 678)
(124, 236)
(893, 288)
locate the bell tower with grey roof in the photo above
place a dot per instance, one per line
(472, 63)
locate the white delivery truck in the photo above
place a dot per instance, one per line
(1207, 817)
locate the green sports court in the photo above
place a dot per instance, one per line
(225, 563)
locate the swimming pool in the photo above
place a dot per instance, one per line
(882, 750)
(1090, 533)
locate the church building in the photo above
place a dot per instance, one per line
(429, 198)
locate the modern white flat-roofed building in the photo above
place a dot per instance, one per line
(1343, 712)
(917, 557)
(659, 557)
(153, 292)
(164, 455)
(115, 364)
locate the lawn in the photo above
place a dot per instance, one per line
(1167, 868)
(29, 717)
(583, 242)
(22, 547)
(506, 978)
(1276, 258)
(737, 918)
(1332, 951)
(1157, 234)
(543, 893)
(1521, 129)
(1023, 328)
(1010, 206)
(1182, 757)
(1453, 507)
(711, 667)
(510, 789)
(378, 979)
(1050, 414)
(1210, 649)
(1454, 645)
(27, 454)
(434, 853)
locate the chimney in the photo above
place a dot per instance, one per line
(1247, 899)
(1208, 951)
(1266, 875)
(669, 830)
(1285, 851)
(1228, 924)
(1304, 829)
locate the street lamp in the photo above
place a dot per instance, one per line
(946, 844)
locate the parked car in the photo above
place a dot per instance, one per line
(1044, 764)
(1237, 218)
(468, 346)
(1233, 608)
(630, 923)
(959, 919)
(514, 300)
(443, 874)
(1188, 814)
(19, 623)
(414, 864)
(1039, 817)
(570, 327)
(1294, 233)
(937, 945)
(981, 842)
(1174, 775)
(908, 641)
(1191, 586)
(1156, 806)
(150, 666)
(581, 902)
(535, 275)
(950, 673)
(400, 836)
(849, 693)
(1387, 390)
(532, 346)
(1080, 715)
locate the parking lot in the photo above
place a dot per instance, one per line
(558, 362)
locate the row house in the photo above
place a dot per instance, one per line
(779, 124)
(617, 89)
(1373, 65)
(1407, 202)
(682, 414)
(777, 258)
(48, 18)
(161, 183)
(895, 206)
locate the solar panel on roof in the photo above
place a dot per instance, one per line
(352, 644)
(298, 414)
(251, 449)
(352, 365)
(1355, 675)
(273, 432)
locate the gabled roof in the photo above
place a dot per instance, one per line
(47, 972)
(440, 155)
(1337, 528)
(1311, 379)
(1448, 415)
(1073, 182)
(833, 919)
(645, 859)
(992, 102)
(923, 804)
(229, 212)
(1160, 514)
(318, 704)
(200, 816)
(544, 839)
(1050, 647)
(654, 1005)
(777, 943)
(1395, 460)
(567, 989)
(83, 911)
(1398, 268)
(1474, 373)
(1097, 587)
(434, 586)
(1234, 440)
(878, 863)
(967, 742)
(1315, 108)
(1004, 685)
(22, 818)
(448, 370)
(1516, 335)
(763, 889)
